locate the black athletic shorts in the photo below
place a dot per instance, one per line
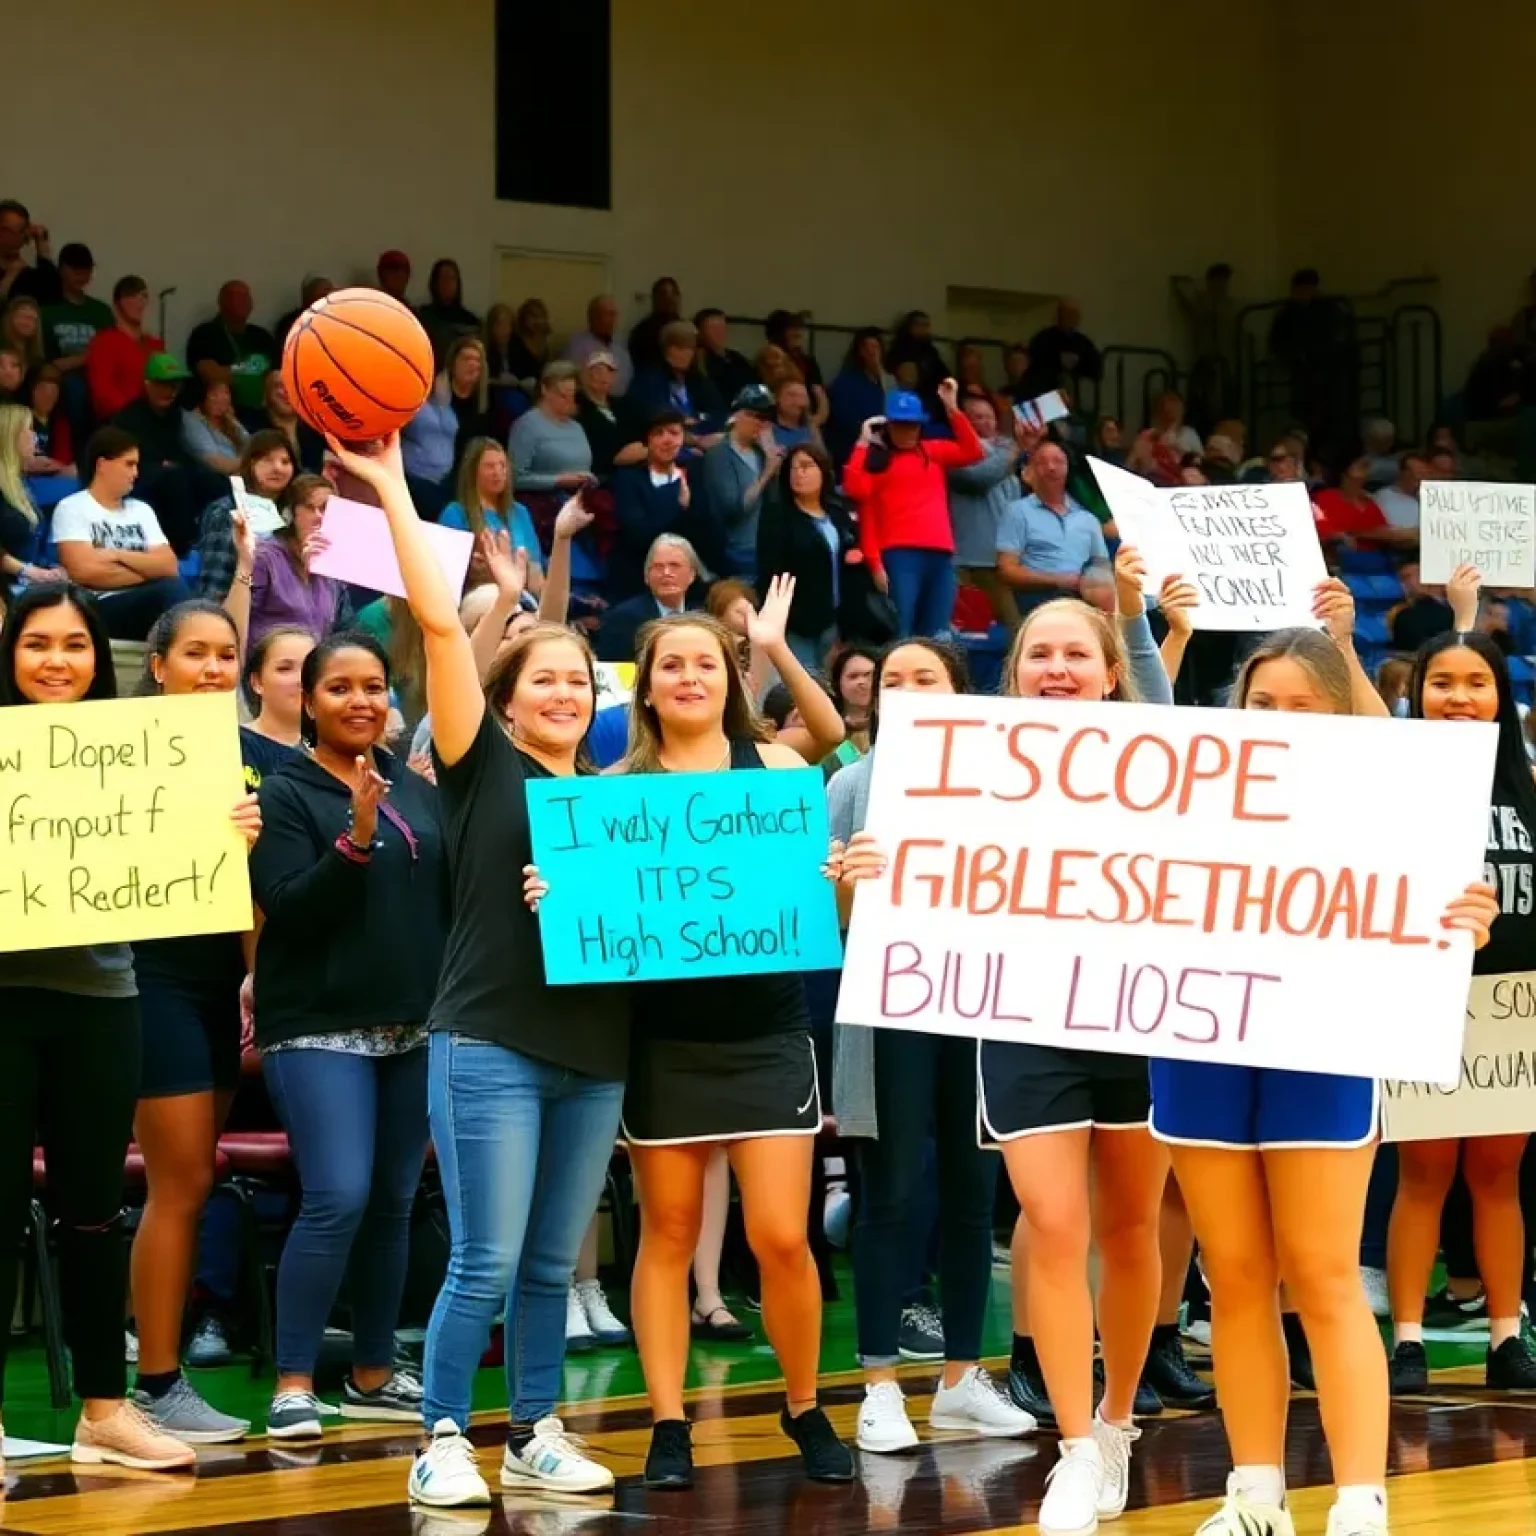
(191, 1039)
(1025, 1089)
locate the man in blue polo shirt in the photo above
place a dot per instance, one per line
(1046, 540)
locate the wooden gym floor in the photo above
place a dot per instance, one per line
(1461, 1463)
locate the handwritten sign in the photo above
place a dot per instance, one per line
(359, 549)
(1182, 883)
(1494, 1094)
(654, 876)
(115, 821)
(1252, 550)
(1467, 522)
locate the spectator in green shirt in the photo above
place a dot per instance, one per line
(229, 347)
(69, 325)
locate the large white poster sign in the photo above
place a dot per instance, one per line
(1495, 1093)
(1171, 882)
(1467, 522)
(1252, 550)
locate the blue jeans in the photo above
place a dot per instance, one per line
(811, 650)
(923, 590)
(357, 1126)
(523, 1148)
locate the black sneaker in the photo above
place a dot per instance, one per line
(1300, 1352)
(1511, 1368)
(1146, 1405)
(921, 1335)
(1026, 1386)
(826, 1458)
(1408, 1370)
(1168, 1373)
(669, 1463)
(1445, 1311)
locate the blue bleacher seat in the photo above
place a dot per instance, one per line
(1522, 678)
(1379, 589)
(1371, 628)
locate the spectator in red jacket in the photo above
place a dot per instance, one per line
(898, 479)
(115, 358)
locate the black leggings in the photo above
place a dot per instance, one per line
(924, 1084)
(69, 1081)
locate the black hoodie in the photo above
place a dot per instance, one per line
(346, 945)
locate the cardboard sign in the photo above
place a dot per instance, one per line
(654, 876)
(115, 821)
(1043, 410)
(360, 551)
(261, 514)
(1494, 1093)
(1467, 522)
(1252, 550)
(1184, 883)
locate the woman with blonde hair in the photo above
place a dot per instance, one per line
(21, 329)
(1274, 1166)
(452, 413)
(20, 526)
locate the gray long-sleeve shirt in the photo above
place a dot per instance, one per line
(542, 449)
(977, 496)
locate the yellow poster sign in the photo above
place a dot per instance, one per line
(115, 821)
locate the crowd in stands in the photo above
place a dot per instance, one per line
(772, 551)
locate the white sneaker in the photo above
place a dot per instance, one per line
(578, 1332)
(884, 1427)
(1343, 1522)
(603, 1323)
(1114, 1446)
(444, 1476)
(1375, 1282)
(1073, 1488)
(1239, 1516)
(553, 1460)
(977, 1405)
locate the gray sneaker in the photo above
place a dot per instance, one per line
(183, 1415)
(398, 1401)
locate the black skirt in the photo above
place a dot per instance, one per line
(698, 1091)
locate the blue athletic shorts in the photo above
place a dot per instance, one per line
(1204, 1104)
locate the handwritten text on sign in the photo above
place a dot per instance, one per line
(665, 875)
(1468, 523)
(115, 822)
(1495, 1091)
(1182, 883)
(1251, 550)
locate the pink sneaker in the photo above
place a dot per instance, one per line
(128, 1439)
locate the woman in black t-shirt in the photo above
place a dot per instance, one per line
(722, 1060)
(1463, 676)
(274, 694)
(525, 1081)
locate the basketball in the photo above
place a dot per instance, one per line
(357, 364)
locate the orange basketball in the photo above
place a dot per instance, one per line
(357, 364)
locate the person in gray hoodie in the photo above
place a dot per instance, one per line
(978, 493)
(736, 472)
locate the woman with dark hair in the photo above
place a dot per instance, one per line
(893, 1091)
(274, 693)
(913, 343)
(1346, 509)
(210, 431)
(853, 674)
(970, 371)
(53, 448)
(528, 346)
(719, 1061)
(284, 592)
(525, 1081)
(788, 330)
(858, 391)
(189, 1001)
(267, 468)
(804, 531)
(351, 878)
(1463, 676)
(443, 316)
(69, 1074)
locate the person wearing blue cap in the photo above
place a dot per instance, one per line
(898, 480)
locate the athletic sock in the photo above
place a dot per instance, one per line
(1407, 1333)
(158, 1383)
(1261, 1485)
(518, 1437)
(1368, 1499)
(1501, 1329)
(1024, 1357)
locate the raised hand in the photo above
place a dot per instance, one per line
(769, 625)
(1130, 570)
(1176, 598)
(245, 541)
(508, 566)
(1333, 605)
(1461, 592)
(949, 395)
(684, 492)
(380, 465)
(369, 787)
(573, 518)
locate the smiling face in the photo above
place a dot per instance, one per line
(552, 700)
(913, 669)
(669, 575)
(271, 473)
(1284, 685)
(468, 367)
(689, 679)
(204, 657)
(55, 656)
(216, 401)
(350, 702)
(1460, 685)
(1061, 657)
(279, 686)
